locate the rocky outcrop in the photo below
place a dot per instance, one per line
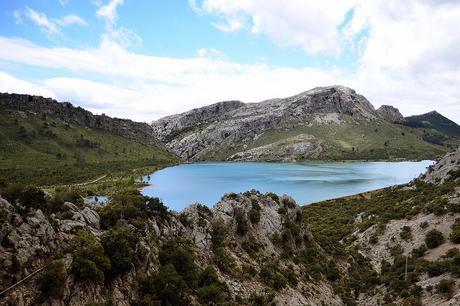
(225, 130)
(138, 131)
(27, 244)
(446, 167)
(390, 113)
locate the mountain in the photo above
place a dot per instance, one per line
(398, 246)
(331, 123)
(390, 113)
(45, 142)
(433, 120)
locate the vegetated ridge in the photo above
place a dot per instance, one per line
(249, 249)
(45, 142)
(324, 123)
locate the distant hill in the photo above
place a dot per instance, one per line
(324, 123)
(45, 142)
(433, 120)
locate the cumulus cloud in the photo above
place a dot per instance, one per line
(309, 24)
(408, 58)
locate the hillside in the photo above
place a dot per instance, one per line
(433, 120)
(43, 145)
(323, 123)
(249, 249)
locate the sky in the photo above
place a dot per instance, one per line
(144, 59)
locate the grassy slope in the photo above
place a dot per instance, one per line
(51, 151)
(372, 141)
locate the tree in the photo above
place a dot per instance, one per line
(119, 244)
(53, 279)
(434, 238)
(89, 260)
(167, 286)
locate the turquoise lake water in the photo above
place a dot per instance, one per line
(206, 183)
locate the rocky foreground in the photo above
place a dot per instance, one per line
(249, 249)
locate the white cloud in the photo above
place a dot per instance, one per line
(70, 20)
(121, 35)
(145, 87)
(11, 84)
(17, 17)
(409, 59)
(212, 53)
(51, 26)
(109, 11)
(309, 24)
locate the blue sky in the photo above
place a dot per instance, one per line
(145, 59)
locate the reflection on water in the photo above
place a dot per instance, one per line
(205, 183)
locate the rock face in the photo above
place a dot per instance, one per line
(138, 131)
(232, 127)
(390, 113)
(443, 169)
(33, 239)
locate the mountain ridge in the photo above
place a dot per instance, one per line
(272, 130)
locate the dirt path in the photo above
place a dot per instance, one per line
(91, 182)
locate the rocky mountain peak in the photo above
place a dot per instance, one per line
(335, 99)
(390, 113)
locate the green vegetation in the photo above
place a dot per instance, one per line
(42, 150)
(26, 198)
(52, 280)
(433, 120)
(455, 235)
(433, 239)
(351, 141)
(179, 277)
(445, 287)
(333, 223)
(130, 204)
(90, 262)
(119, 244)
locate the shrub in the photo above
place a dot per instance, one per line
(179, 254)
(254, 213)
(131, 205)
(424, 224)
(119, 244)
(420, 251)
(455, 235)
(433, 239)
(445, 287)
(90, 262)
(53, 279)
(167, 286)
(273, 196)
(219, 233)
(251, 246)
(28, 197)
(211, 290)
(241, 221)
(406, 233)
(435, 268)
(270, 274)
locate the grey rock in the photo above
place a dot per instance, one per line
(225, 130)
(390, 113)
(70, 206)
(91, 217)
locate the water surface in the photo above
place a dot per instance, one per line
(206, 183)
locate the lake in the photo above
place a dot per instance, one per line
(206, 183)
